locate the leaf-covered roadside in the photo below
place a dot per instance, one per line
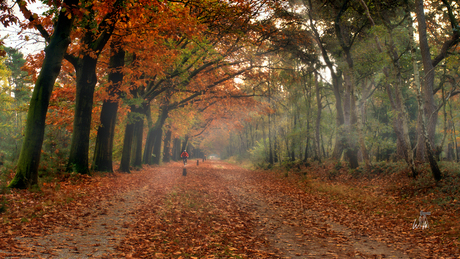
(385, 202)
(223, 211)
(38, 213)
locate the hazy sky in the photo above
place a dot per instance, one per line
(12, 38)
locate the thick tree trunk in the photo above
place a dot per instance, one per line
(159, 137)
(350, 121)
(86, 82)
(136, 159)
(134, 116)
(339, 139)
(176, 149)
(29, 158)
(95, 40)
(104, 139)
(126, 152)
(148, 149)
(106, 131)
(152, 150)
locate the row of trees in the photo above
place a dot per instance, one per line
(359, 80)
(167, 64)
(366, 81)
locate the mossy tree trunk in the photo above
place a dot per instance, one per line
(29, 158)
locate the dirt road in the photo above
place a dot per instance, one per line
(217, 210)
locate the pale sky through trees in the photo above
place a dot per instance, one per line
(28, 41)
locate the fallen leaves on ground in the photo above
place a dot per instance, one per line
(217, 211)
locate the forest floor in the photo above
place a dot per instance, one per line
(218, 210)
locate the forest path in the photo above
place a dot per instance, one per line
(217, 210)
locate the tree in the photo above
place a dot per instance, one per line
(93, 40)
(29, 158)
(106, 131)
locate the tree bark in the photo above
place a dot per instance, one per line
(167, 147)
(319, 107)
(29, 158)
(86, 82)
(159, 136)
(136, 159)
(176, 149)
(350, 121)
(152, 150)
(134, 116)
(126, 152)
(427, 86)
(106, 131)
(85, 67)
(426, 142)
(361, 123)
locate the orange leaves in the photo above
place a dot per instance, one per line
(60, 111)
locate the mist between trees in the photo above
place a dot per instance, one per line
(137, 82)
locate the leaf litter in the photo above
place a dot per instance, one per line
(217, 211)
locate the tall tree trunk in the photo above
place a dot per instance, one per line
(126, 152)
(148, 148)
(319, 105)
(176, 149)
(361, 122)
(292, 153)
(29, 158)
(425, 133)
(95, 39)
(336, 86)
(136, 159)
(152, 150)
(270, 139)
(86, 82)
(106, 131)
(134, 116)
(159, 136)
(167, 147)
(453, 136)
(340, 120)
(429, 64)
(350, 120)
